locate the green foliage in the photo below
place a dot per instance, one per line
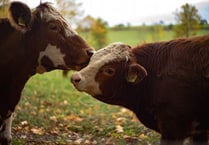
(99, 33)
(4, 8)
(158, 32)
(188, 21)
(95, 31)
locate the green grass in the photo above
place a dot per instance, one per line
(138, 36)
(135, 37)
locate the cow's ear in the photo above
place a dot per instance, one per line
(136, 73)
(20, 16)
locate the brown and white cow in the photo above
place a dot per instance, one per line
(31, 42)
(165, 84)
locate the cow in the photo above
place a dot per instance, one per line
(30, 43)
(166, 84)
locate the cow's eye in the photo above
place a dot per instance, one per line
(53, 27)
(109, 71)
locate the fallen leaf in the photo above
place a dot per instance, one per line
(73, 118)
(79, 141)
(53, 118)
(38, 131)
(119, 129)
(142, 136)
(24, 123)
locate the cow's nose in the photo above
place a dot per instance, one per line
(90, 52)
(75, 79)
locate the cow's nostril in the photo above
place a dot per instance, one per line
(75, 79)
(90, 52)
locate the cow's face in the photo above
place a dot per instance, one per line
(108, 71)
(59, 46)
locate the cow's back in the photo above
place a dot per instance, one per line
(177, 80)
(189, 55)
(181, 58)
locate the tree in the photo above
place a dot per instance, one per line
(188, 21)
(4, 4)
(99, 33)
(70, 9)
(204, 22)
(157, 32)
(95, 31)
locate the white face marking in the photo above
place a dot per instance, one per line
(50, 15)
(54, 54)
(7, 132)
(113, 52)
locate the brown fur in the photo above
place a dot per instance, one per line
(173, 99)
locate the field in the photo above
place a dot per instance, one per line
(138, 36)
(52, 112)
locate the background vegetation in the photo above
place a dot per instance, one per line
(52, 112)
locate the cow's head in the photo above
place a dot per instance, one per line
(109, 71)
(57, 45)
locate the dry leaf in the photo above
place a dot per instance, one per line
(142, 136)
(119, 129)
(38, 131)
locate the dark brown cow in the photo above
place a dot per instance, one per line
(33, 42)
(166, 84)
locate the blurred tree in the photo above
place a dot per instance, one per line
(70, 9)
(95, 31)
(119, 27)
(204, 22)
(99, 33)
(86, 23)
(188, 21)
(4, 4)
(158, 32)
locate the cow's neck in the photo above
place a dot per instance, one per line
(34, 44)
(138, 97)
(132, 96)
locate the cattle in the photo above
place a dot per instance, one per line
(30, 43)
(166, 84)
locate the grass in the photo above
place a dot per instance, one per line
(138, 36)
(135, 37)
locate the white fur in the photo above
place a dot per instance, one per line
(7, 132)
(54, 54)
(113, 52)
